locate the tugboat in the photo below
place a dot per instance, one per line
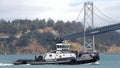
(62, 55)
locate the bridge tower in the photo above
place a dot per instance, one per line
(89, 42)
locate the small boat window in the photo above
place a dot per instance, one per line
(62, 46)
(50, 55)
(53, 52)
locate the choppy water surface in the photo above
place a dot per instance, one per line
(106, 61)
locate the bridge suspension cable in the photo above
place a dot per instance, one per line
(79, 13)
(110, 19)
(82, 20)
(103, 18)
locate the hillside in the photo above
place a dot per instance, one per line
(33, 36)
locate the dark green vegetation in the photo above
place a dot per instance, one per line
(18, 33)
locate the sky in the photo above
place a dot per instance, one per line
(55, 9)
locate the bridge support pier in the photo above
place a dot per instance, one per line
(88, 24)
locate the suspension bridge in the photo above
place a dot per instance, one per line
(88, 22)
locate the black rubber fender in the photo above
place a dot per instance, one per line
(73, 61)
(24, 62)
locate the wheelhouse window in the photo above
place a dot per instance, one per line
(50, 55)
(53, 52)
(62, 46)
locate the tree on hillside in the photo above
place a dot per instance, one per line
(59, 26)
(42, 24)
(7, 27)
(50, 23)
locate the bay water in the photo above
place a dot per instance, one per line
(106, 61)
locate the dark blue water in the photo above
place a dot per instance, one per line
(106, 61)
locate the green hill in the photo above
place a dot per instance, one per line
(30, 36)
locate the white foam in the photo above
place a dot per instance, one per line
(5, 64)
(95, 63)
(27, 64)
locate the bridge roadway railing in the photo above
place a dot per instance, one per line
(95, 31)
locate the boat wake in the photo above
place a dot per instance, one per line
(27, 64)
(95, 63)
(5, 64)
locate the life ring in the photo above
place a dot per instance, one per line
(60, 56)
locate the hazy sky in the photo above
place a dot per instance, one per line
(55, 9)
